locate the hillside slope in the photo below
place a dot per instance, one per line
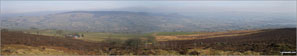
(62, 44)
(270, 41)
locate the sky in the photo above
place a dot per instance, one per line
(12, 7)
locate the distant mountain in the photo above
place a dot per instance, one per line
(137, 22)
(101, 21)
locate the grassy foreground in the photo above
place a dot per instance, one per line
(259, 42)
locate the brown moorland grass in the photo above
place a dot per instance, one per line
(14, 49)
(266, 42)
(271, 41)
(66, 44)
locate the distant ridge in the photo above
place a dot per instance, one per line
(107, 12)
(142, 22)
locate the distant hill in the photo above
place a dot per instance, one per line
(139, 22)
(101, 21)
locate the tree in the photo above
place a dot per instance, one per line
(114, 42)
(59, 32)
(134, 42)
(4, 30)
(82, 35)
(34, 28)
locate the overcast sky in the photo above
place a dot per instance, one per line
(8, 7)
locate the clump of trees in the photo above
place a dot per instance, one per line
(60, 32)
(135, 43)
(115, 42)
(35, 29)
(4, 30)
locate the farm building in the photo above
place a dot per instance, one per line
(75, 36)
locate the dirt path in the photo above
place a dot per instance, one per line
(205, 35)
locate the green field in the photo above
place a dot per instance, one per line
(89, 36)
(175, 33)
(99, 36)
